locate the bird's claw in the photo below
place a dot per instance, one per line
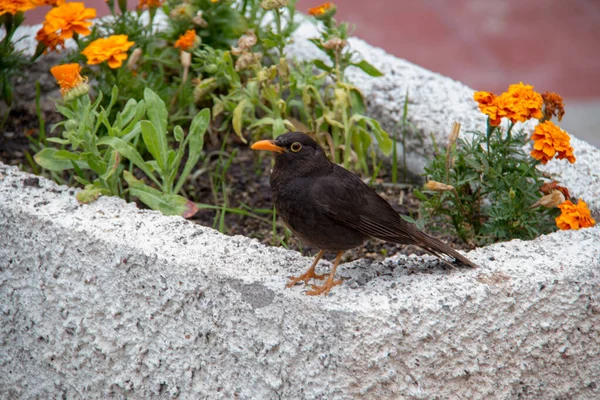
(304, 278)
(323, 289)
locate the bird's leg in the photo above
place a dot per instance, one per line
(308, 274)
(330, 282)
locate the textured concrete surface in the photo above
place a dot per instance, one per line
(106, 300)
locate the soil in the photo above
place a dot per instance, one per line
(245, 187)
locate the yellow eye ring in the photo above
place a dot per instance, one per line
(296, 147)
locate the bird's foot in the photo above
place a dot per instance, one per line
(325, 288)
(310, 274)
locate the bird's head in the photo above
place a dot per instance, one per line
(295, 151)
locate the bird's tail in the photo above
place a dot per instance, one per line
(439, 248)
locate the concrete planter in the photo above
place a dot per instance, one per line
(105, 300)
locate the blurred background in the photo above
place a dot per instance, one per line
(553, 45)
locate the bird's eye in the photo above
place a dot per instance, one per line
(296, 147)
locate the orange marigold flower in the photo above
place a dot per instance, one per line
(52, 3)
(186, 41)
(527, 103)
(320, 10)
(68, 18)
(488, 105)
(574, 216)
(15, 6)
(550, 140)
(69, 78)
(519, 103)
(553, 106)
(50, 39)
(112, 49)
(150, 3)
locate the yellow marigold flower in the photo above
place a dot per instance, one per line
(320, 10)
(550, 140)
(150, 3)
(68, 18)
(574, 216)
(186, 41)
(112, 49)
(214, 1)
(71, 83)
(15, 6)
(553, 106)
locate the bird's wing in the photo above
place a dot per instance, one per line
(344, 197)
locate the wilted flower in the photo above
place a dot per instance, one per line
(574, 216)
(133, 59)
(437, 186)
(550, 140)
(548, 187)
(199, 19)
(247, 40)
(334, 43)
(187, 40)
(551, 200)
(553, 106)
(71, 83)
(112, 49)
(183, 11)
(247, 59)
(272, 4)
(15, 6)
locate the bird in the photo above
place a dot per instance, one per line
(331, 209)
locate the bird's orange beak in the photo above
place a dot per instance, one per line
(267, 145)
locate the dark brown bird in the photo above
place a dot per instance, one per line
(330, 208)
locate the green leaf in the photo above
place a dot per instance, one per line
(178, 133)
(90, 194)
(368, 68)
(321, 65)
(156, 111)
(58, 140)
(238, 116)
(113, 164)
(195, 141)
(156, 142)
(278, 127)
(168, 204)
(129, 152)
(46, 159)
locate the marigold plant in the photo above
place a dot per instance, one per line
(550, 140)
(112, 49)
(497, 192)
(574, 216)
